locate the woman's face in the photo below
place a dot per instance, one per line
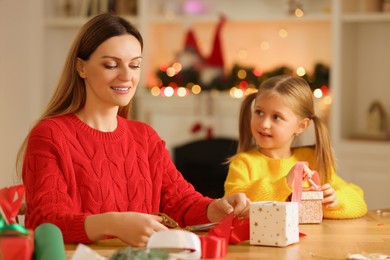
(112, 72)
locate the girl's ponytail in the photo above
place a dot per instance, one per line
(245, 141)
(325, 162)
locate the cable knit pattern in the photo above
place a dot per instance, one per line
(264, 179)
(72, 170)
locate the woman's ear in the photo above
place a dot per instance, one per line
(303, 125)
(80, 68)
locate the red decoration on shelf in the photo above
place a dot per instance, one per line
(196, 127)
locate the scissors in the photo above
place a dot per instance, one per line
(169, 222)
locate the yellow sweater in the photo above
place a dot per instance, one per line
(264, 179)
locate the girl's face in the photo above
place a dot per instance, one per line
(112, 72)
(274, 125)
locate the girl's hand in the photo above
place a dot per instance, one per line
(135, 229)
(306, 176)
(220, 208)
(330, 198)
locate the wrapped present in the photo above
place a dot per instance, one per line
(309, 199)
(17, 247)
(274, 223)
(310, 207)
(16, 242)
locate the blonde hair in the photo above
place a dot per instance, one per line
(297, 94)
(70, 94)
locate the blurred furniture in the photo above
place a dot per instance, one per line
(203, 163)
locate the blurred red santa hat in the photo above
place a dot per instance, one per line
(191, 43)
(215, 59)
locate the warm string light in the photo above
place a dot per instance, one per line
(299, 12)
(242, 89)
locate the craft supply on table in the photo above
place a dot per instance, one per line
(274, 223)
(16, 242)
(309, 199)
(49, 243)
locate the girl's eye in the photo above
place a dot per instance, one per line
(277, 118)
(258, 112)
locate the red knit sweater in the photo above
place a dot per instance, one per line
(72, 170)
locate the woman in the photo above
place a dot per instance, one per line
(93, 172)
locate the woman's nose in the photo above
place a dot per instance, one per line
(125, 74)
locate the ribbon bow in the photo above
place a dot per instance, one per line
(312, 177)
(10, 202)
(230, 230)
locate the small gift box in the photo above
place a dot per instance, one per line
(17, 247)
(16, 242)
(310, 208)
(274, 223)
(309, 199)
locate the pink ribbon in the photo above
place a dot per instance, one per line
(314, 180)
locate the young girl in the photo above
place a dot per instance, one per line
(93, 172)
(263, 167)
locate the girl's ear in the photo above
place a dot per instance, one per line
(80, 68)
(303, 125)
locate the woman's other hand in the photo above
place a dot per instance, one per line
(132, 228)
(220, 208)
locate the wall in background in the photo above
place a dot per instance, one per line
(21, 74)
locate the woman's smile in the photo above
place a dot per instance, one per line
(121, 90)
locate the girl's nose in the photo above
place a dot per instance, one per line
(265, 122)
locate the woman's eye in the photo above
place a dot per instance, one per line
(110, 66)
(135, 66)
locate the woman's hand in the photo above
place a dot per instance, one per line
(330, 198)
(135, 229)
(132, 228)
(220, 208)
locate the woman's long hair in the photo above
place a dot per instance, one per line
(70, 94)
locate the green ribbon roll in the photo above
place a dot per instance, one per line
(49, 243)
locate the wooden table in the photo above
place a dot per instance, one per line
(332, 239)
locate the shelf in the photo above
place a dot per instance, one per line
(364, 17)
(376, 148)
(65, 22)
(76, 22)
(214, 18)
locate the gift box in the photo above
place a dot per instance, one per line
(16, 242)
(309, 199)
(310, 207)
(274, 223)
(19, 247)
